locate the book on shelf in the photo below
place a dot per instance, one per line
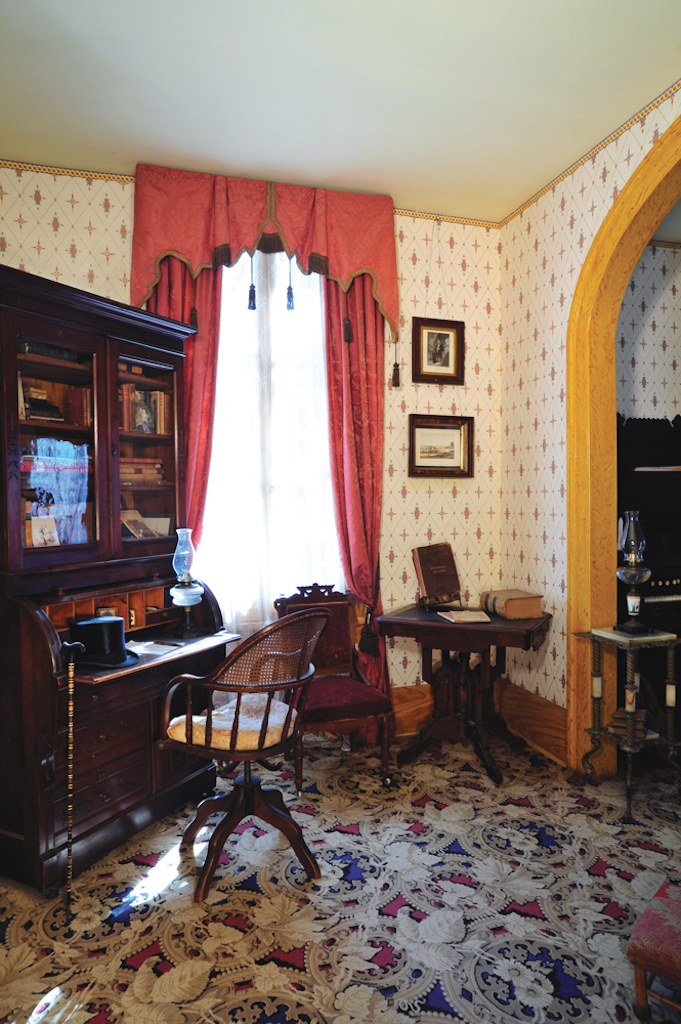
(437, 574)
(78, 406)
(512, 604)
(47, 351)
(22, 403)
(464, 615)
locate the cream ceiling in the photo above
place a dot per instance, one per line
(464, 108)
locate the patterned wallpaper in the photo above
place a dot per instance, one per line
(512, 284)
(508, 525)
(446, 271)
(648, 351)
(72, 227)
(543, 248)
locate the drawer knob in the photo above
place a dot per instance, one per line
(105, 797)
(103, 738)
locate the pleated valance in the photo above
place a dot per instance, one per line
(209, 220)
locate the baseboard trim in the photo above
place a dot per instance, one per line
(413, 707)
(538, 721)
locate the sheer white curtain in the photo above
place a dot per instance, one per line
(269, 522)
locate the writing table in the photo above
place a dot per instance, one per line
(461, 703)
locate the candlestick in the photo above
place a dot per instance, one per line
(630, 700)
(671, 695)
(597, 686)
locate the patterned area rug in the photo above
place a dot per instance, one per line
(442, 899)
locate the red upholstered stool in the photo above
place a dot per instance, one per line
(655, 947)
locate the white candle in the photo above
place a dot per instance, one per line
(597, 686)
(671, 695)
(630, 698)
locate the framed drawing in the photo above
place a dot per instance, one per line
(136, 524)
(437, 351)
(440, 445)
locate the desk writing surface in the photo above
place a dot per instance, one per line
(180, 649)
(432, 630)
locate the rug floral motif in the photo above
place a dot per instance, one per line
(443, 898)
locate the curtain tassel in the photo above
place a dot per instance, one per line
(347, 326)
(251, 290)
(396, 375)
(289, 290)
(194, 318)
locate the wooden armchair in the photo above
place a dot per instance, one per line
(340, 699)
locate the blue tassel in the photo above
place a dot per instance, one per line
(289, 297)
(251, 297)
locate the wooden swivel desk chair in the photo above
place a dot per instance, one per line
(265, 683)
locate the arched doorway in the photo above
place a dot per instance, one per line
(645, 200)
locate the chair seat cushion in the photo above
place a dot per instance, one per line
(251, 712)
(339, 697)
(655, 943)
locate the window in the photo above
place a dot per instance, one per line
(269, 523)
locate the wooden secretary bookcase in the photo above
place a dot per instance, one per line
(91, 491)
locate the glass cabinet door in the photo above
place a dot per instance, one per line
(57, 494)
(146, 425)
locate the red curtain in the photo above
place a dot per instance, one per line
(186, 224)
(176, 295)
(355, 380)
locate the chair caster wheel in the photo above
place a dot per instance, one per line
(300, 794)
(387, 783)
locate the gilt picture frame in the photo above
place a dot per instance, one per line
(438, 349)
(440, 446)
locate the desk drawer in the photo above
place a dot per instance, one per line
(101, 793)
(103, 739)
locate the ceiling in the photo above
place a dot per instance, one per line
(464, 108)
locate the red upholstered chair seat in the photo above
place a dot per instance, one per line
(655, 946)
(340, 700)
(348, 697)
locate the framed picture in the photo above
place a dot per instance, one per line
(440, 445)
(141, 415)
(44, 531)
(136, 524)
(161, 525)
(437, 351)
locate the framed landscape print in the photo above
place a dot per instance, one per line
(437, 351)
(440, 445)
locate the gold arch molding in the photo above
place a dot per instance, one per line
(650, 193)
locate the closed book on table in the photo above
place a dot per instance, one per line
(437, 574)
(512, 604)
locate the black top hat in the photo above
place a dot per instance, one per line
(104, 642)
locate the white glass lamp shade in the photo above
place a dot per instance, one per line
(184, 555)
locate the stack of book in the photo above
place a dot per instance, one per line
(38, 407)
(141, 472)
(641, 719)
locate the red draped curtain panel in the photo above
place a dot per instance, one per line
(181, 297)
(187, 225)
(355, 373)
